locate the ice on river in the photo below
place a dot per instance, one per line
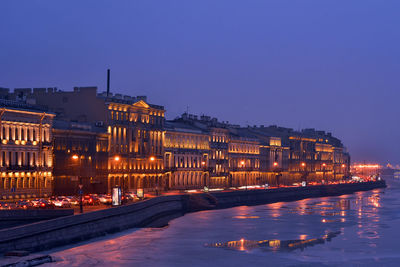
(358, 229)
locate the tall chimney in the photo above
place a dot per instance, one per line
(108, 82)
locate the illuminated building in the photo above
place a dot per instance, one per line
(219, 156)
(25, 150)
(186, 157)
(80, 157)
(135, 144)
(244, 159)
(189, 152)
(134, 128)
(308, 155)
(364, 170)
(268, 155)
(218, 138)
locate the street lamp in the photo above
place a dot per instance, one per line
(277, 173)
(203, 164)
(323, 172)
(117, 159)
(305, 174)
(343, 170)
(78, 160)
(152, 159)
(242, 164)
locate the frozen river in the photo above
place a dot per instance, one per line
(360, 229)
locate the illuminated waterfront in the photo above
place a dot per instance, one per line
(351, 230)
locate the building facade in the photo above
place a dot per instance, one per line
(26, 151)
(80, 158)
(143, 151)
(186, 157)
(134, 127)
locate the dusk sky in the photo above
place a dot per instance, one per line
(330, 65)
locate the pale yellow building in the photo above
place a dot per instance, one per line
(26, 151)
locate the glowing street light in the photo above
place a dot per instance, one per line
(76, 157)
(305, 174)
(275, 164)
(152, 158)
(245, 173)
(117, 158)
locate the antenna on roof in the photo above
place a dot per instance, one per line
(108, 82)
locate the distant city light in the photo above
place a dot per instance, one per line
(368, 166)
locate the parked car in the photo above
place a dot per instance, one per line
(62, 203)
(105, 199)
(42, 204)
(73, 200)
(90, 200)
(24, 204)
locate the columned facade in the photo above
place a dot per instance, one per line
(26, 151)
(135, 145)
(186, 158)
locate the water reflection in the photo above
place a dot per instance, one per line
(331, 215)
(245, 216)
(274, 244)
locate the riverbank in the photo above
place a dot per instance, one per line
(152, 213)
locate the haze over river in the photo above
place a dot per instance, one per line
(358, 229)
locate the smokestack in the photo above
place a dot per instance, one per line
(108, 82)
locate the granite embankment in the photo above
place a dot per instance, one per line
(153, 213)
(11, 218)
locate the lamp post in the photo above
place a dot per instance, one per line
(203, 165)
(77, 159)
(242, 164)
(343, 170)
(323, 172)
(305, 175)
(116, 160)
(277, 173)
(152, 159)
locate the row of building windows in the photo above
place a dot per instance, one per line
(186, 141)
(134, 117)
(23, 133)
(24, 158)
(187, 179)
(24, 182)
(216, 138)
(140, 165)
(189, 161)
(244, 148)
